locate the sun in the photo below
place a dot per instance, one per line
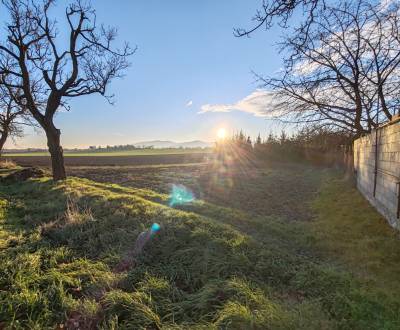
(221, 133)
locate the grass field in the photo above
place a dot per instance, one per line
(272, 247)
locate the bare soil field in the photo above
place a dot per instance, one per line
(258, 190)
(114, 160)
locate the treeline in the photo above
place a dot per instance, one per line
(309, 144)
(125, 147)
(107, 148)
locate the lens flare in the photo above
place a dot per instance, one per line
(180, 195)
(155, 227)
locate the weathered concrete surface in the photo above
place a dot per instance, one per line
(386, 197)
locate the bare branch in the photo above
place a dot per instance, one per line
(346, 65)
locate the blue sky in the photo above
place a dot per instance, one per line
(187, 58)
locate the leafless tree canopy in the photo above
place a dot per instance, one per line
(12, 114)
(345, 73)
(281, 11)
(48, 74)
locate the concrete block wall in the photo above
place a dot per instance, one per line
(386, 197)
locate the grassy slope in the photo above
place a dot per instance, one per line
(210, 267)
(138, 152)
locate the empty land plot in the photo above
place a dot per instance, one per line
(267, 247)
(112, 159)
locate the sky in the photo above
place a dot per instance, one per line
(189, 77)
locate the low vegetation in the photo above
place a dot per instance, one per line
(7, 164)
(7, 167)
(253, 255)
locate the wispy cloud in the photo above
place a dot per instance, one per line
(385, 4)
(369, 31)
(189, 104)
(260, 103)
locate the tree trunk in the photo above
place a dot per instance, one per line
(3, 139)
(359, 110)
(56, 151)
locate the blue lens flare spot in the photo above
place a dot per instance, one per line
(155, 227)
(180, 195)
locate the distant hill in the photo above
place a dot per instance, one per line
(171, 144)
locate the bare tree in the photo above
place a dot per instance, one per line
(382, 65)
(50, 75)
(343, 70)
(12, 115)
(282, 11)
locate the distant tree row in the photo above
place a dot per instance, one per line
(301, 145)
(308, 137)
(122, 147)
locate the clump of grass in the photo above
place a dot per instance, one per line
(7, 164)
(132, 310)
(249, 306)
(75, 214)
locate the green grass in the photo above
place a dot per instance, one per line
(138, 152)
(349, 227)
(218, 263)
